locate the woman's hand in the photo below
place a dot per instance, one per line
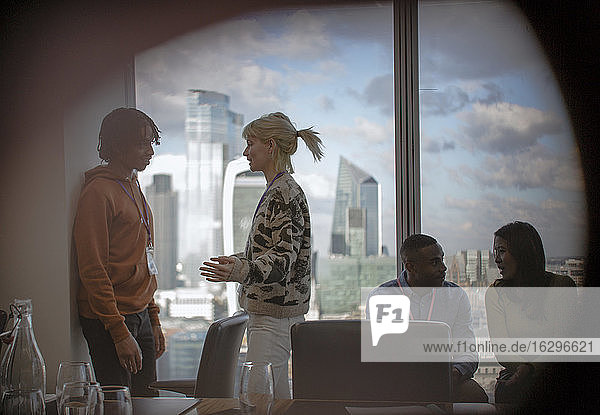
(219, 270)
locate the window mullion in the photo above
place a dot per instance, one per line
(406, 107)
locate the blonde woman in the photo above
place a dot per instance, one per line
(274, 271)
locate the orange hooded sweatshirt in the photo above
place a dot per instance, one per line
(110, 240)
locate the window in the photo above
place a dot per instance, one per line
(496, 144)
(330, 68)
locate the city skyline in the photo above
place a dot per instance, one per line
(496, 143)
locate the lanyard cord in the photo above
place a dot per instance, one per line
(144, 217)
(430, 305)
(262, 198)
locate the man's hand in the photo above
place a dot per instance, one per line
(159, 341)
(129, 353)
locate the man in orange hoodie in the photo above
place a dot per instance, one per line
(113, 234)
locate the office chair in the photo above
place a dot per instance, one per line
(218, 362)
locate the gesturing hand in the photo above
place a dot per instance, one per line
(219, 270)
(129, 353)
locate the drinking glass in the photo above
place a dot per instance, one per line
(23, 402)
(97, 403)
(73, 372)
(256, 388)
(80, 398)
(116, 400)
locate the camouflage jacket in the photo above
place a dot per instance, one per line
(274, 271)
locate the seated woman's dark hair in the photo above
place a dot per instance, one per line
(120, 128)
(525, 245)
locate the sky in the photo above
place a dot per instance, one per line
(496, 143)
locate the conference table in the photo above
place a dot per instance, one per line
(230, 406)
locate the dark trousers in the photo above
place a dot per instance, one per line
(104, 355)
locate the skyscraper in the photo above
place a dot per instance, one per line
(163, 201)
(356, 226)
(213, 137)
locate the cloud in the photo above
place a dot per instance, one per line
(162, 92)
(259, 62)
(317, 186)
(325, 103)
(475, 40)
(378, 93)
(500, 210)
(533, 168)
(174, 165)
(493, 94)
(450, 99)
(454, 98)
(505, 128)
(168, 111)
(307, 37)
(460, 223)
(366, 22)
(434, 146)
(332, 67)
(364, 130)
(297, 35)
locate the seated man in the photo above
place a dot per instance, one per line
(423, 258)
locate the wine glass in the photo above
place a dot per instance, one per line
(116, 400)
(256, 388)
(23, 402)
(80, 398)
(73, 372)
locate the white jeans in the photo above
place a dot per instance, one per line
(269, 341)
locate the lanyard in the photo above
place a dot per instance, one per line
(430, 305)
(145, 217)
(262, 198)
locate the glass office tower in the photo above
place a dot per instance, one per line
(213, 137)
(356, 226)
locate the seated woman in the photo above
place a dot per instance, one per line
(517, 310)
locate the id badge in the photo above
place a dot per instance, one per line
(152, 269)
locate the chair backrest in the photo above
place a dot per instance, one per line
(326, 364)
(219, 360)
